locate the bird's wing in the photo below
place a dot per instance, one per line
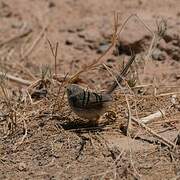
(89, 99)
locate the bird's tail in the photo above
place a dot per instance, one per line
(120, 77)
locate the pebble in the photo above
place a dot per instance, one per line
(22, 166)
(102, 48)
(158, 55)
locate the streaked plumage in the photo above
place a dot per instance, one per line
(91, 105)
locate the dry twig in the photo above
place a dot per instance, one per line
(153, 116)
(15, 37)
(54, 53)
(129, 109)
(17, 79)
(160, 138)
(24, 136)
(33, 45)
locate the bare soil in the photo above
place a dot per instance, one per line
(40, 137)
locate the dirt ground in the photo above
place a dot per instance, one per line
(40, 136)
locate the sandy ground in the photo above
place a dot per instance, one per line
(40, 137)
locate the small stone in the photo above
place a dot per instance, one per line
(92, 46)
(158, 55)
(81, 36)
(169, 35)
(79, 47)
(176, 55)
(177, 76)
(110, 60)
(69, 42)
(91, 36)
(173, 99)
(16, 24)
(163, 45)
(178, 14)
(5, 11)
(22, 166)
(71, 30)
(102, 48)
(173, 52)
(79, 29)
(51, 4)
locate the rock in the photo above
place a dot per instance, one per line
(173, 52)
(159, 55)
(5, 10)
(71, 30)
(170, 35)
(81, 36)
(90, 35)
(92, 46)
(79, 29)
(162, 45)
(177, 76)
(172, 49)
(102, 48)
(111, 60)
(176, 42)
(22, 166)
(51, 4)
(176, 55)
(69, 42)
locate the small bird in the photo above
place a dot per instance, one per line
(91, 105)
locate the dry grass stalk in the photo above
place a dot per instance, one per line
(27, 71)
(168, 94)
(17, 79)
(33, 45)
(58, 96)
(54, 54)
(129, 109)
(15, 37)
(11, 114)
(156, 36)
(149, 118)
(153, 116)
(24, 136)
(44, 79)
(160, 138)
(60, 78)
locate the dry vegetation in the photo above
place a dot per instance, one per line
(41, 138)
